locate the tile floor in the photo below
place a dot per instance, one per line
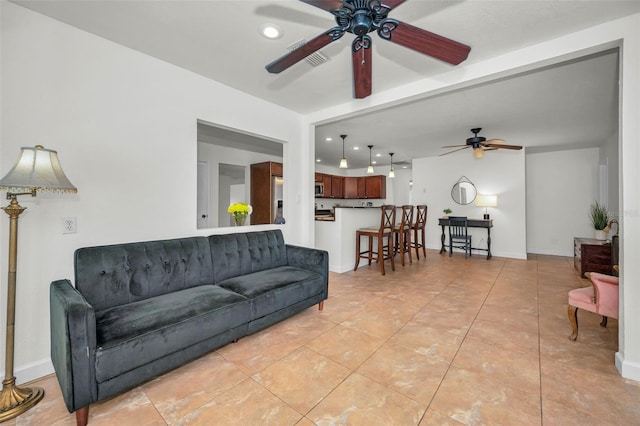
(444, 341)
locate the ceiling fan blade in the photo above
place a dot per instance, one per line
(501, 146)
(423, 41)
(285, 61)
(393, 3)
(455, 150)
(454, 146)
(325, 4)
(494, 141)
(361, 58)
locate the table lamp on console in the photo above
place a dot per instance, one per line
(485, 200)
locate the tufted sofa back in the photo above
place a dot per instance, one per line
(118, 274)
(239, 254)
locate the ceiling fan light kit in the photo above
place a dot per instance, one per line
(361, 17)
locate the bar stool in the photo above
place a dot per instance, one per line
(402, 232)
(387, 222)
(419, 228)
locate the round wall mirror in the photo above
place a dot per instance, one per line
(464, 191)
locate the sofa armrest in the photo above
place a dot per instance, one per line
(73, 344)
(606, 288)
(312, 259)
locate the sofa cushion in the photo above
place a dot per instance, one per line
(276, 288)
(134, 334)
(233, 255)
(109, 276)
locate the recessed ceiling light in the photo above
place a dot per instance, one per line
(356, 148)
(378, 155)
(318, 160)
(329, 139)
(270, 31)
(404, 167)
(374, 162)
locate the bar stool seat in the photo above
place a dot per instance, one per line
(385, 230)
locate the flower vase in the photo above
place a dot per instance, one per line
(239, 219)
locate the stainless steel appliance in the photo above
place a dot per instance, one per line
(319, 189)
(276, 197)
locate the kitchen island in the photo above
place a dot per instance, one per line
(338, 237)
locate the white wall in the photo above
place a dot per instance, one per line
(124, 125)
(561, 186)
(500, 173)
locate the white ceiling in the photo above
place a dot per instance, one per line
(569, 105)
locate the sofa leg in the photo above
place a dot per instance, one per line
(321, 305)
(82, 416)
(603, 323)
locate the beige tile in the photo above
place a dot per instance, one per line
(361, 401)
(505, 335)
(410, 373)
(302, 378)
(182, 391)
(471, 398)
(440, 345)
(517, 369)
(130, 408)
(433, 418)
(248, 403)
(346, 346)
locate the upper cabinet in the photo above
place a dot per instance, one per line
(354, 187)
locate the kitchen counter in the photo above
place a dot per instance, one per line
(338, 236)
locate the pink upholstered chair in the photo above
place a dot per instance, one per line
(600, 298)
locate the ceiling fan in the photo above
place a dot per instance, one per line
(480, 144)
(361, 17)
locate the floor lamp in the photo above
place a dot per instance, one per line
(37, 169)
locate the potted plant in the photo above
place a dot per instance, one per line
(446, 212)
(599, 220)
(239, 212)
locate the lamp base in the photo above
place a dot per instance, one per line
(486, 216)
(15, 400)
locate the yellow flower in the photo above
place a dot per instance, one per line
(240, 209)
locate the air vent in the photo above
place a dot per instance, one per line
(315, 59)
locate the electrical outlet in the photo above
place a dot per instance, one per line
(68, 225)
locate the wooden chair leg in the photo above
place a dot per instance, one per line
(424, 243)
(370, 252)
(390, 241)
(82, 416)
(416, 245)
(355, 268)
(603, 323)
(381, 253)
(407, 244)
(572, 312)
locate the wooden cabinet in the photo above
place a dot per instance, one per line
(318, 177)
(351, 187)
(326, 182)
(376, 186)
(336, 186)
(362, 187)
(591, 255)
(261, 193)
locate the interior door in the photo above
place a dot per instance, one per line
(204, 189)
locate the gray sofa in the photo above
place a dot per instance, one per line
(140, 309)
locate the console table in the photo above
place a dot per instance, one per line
(471, 223)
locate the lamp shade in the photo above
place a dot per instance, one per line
(37, 168)
(484, 200)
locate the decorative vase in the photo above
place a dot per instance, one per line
(600, 234)
(239, 219)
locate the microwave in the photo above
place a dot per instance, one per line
(319, 189)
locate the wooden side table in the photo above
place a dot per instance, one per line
(591, 255)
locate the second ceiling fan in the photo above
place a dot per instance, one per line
(480, 144)
(361, 17)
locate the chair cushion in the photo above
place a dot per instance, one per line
(135, 334)
(582, 298)
(275, 289)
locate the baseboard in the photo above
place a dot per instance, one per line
(33, 371)
(551, 252)
(627, 369)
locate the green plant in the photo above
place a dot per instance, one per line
(447, 210)
(240, 210)
(599, 216)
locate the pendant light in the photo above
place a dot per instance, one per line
(343, 162)
(370, 168)
(392, 174)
